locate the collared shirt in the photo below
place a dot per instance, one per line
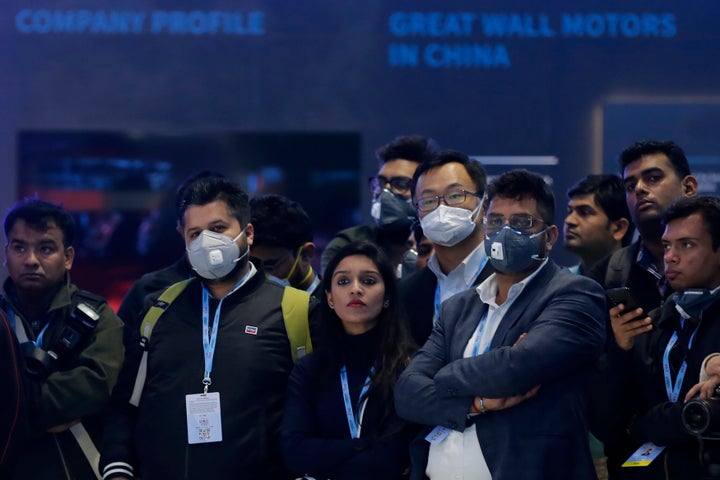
(463, 276)
(460, 455)
(644, 260)
(459, 279)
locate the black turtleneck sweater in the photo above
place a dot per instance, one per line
(315, 434)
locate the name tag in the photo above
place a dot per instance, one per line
(644, 455)
(437, 435)
(204, 422)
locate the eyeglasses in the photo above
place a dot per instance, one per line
(517, 221)
(451, 199)
(398, 185)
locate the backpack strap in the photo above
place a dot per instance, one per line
(295, 307)
(618, 270)
(148, 324)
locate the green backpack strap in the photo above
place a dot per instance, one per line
(148, 324)
(295, 308)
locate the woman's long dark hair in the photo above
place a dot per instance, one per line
(395, 346)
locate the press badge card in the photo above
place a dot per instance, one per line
(204, 422)
(644, 455)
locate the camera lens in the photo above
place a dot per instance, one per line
(696, 416)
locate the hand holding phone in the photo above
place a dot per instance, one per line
(622, 295)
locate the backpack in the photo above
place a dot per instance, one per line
(295, 306)
(618, 270)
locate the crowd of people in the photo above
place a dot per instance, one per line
(440, 341)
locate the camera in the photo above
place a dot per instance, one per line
(702, 417)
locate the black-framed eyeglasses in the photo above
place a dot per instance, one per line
(398, 185)
(517, 221)
(451, 199)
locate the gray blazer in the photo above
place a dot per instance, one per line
(544, 437)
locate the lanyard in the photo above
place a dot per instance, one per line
(438, 297)
(210, 332)
(355, 423)
(20, 332)
(478, 335)
(673, 391)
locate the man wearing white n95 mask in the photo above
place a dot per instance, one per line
(447, 192)
(217, 362)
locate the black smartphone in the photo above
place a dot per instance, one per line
(622, 295)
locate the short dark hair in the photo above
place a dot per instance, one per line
(609, 193)
(41, 215)
(415, 148)
(520, 184)
(707, 206)
(279, 222)
(474, 169)
(204, 189)
(648, 147)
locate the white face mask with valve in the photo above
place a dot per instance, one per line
(214, 255)
(448, 226)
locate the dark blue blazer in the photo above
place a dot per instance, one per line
(544, 437)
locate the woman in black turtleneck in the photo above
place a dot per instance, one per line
(339, 420)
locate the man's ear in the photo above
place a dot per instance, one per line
(179, 229)
(307, 250)
(690, 186)
(619, 228)
(552, 236)
(69, 257)
(249, 234)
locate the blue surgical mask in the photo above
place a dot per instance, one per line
(692, 302)
(513, 251)
(392, 212)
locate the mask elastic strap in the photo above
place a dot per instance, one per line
(247, 250)
(294, 266)
(534, 235)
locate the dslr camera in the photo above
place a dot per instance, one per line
(702, 417)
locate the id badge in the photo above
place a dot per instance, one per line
(204, 422)
(437, 435)
(644, 455)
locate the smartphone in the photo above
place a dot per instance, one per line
(622, 295)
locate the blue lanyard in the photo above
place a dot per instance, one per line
(38, 340)
(438, 298)
(673, 391)
(478, 335)
(354, 422)
(209, 333)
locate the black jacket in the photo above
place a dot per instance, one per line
(250, 372)
(634, 395)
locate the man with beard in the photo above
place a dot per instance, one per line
(500, 383)
(655, 173)
(217, 362)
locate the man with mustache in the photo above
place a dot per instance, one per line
(655, 173)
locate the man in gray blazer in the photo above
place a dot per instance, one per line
(500, 383)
